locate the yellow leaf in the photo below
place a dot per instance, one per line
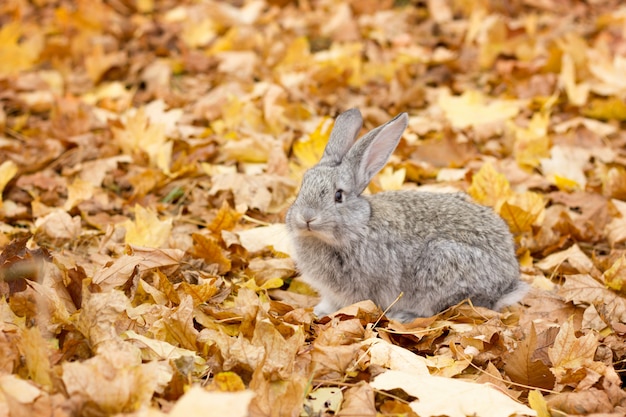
(226, 219)
(16, 55)
(208, 249)
(611, 108)
(538, 403)
(576, 93)
(8, 169)
(391, 180)
(197, 34)
(199, 293)
(78, 192)
(140, 135)
(565, 184)
(570, 354)
(297, 56)
(532, 143)
(147, 229)
(309, 150)
(489, 187)
(526, 260)
(272, 283)
(521, 211)
(615, 276)
(471, 109)
(228, 382)
(36, 356)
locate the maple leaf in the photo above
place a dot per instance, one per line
(489, 187)
(572, 357)
(147, 229)
(309, 149)
(142, 135)
(522, 366)
(583, 288)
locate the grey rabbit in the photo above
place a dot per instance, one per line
(437, 249)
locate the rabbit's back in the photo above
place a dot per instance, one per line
(437, 249)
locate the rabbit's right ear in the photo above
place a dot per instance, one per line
(370, 154)
(347, 127)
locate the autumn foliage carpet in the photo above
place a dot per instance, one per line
(149, 150)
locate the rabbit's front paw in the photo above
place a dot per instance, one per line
(324, 308)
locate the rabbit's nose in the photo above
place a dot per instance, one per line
(308, 217)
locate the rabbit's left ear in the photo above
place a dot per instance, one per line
(370, 153)
(343, 135)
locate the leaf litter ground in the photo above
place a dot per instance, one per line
(149, 150)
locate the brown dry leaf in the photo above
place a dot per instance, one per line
(572, 357)
(115, 380)
(211, 252)
(16, 393)
(100, 316)
(584, 289)
(574, 256)
(581, 402)
(267, 193)
(59, 226)
(523, 367)
(138, 260)
(177, 326)
(358, 400)
(616, 229)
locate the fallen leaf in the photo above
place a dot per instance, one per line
(358, 400)
(472, 109)
(147, 229)
(489, 187)
(115, 380)
(523, 367)
(8, 169)
(438, 396)
(198, 402)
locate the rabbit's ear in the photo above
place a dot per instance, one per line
(344, 133)
(370, 153)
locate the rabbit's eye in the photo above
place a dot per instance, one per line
(339, 196)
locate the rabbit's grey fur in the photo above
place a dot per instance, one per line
(437, 249)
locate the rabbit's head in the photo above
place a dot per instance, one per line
(329, 206)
